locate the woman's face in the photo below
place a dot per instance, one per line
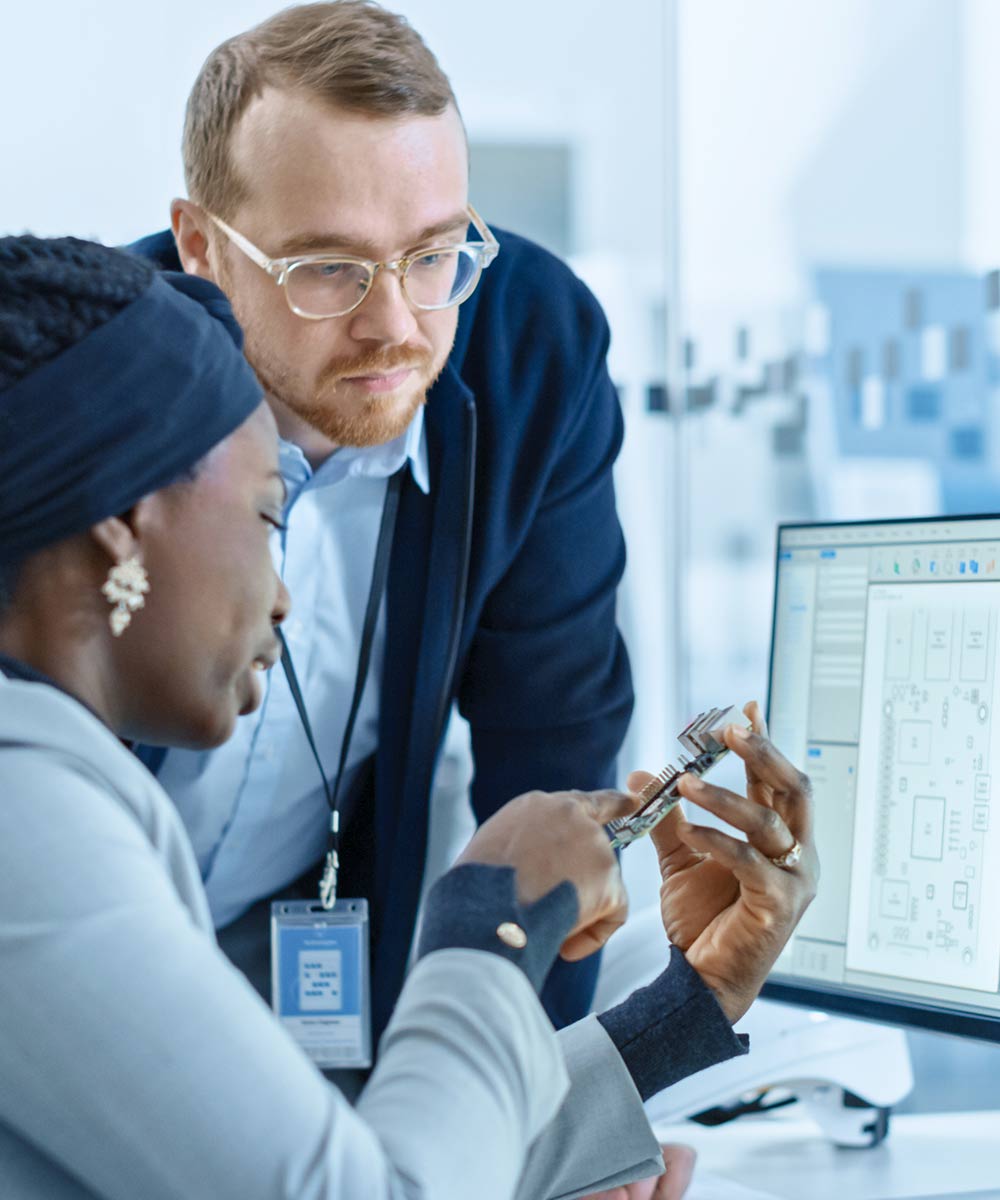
(192, 657)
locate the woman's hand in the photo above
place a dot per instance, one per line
(724, 901)
(549, 837)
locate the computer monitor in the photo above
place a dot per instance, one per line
(885, 689)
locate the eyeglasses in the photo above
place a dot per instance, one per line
(320, 286)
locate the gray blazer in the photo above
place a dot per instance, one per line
(137, 1064)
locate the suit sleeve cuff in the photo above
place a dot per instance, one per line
(671, 1029)
(475, 907)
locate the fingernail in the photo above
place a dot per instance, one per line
(694, 783)
(740, 731)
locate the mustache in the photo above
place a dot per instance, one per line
(376, 362)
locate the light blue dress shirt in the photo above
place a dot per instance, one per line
(255, 807)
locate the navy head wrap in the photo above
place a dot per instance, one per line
(121, 413)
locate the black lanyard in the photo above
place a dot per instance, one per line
(380, 576)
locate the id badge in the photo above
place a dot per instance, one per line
(320, 988)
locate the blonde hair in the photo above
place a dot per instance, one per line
(352, 53)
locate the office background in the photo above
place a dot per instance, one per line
(790, 210)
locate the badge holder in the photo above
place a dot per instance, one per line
(320, 987)
(320, 974)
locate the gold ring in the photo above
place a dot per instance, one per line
(790, 857)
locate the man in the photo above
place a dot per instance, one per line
(327, 170)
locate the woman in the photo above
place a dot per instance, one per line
(138, 491)
(138, 488)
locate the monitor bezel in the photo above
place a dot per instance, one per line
(844, 998)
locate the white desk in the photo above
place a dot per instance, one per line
(928, 1156)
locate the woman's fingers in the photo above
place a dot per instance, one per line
(637, 780)
(765, 828)
(670, 850)
(755, 716)
(787, 890)
(585, 942)
(605, 916)
(679, 1163)
(790, 789)
(605, 806)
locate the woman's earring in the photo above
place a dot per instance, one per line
(126, 588)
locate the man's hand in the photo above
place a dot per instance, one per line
(549, 837)
(724, 902)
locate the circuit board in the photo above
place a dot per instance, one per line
(702, 741)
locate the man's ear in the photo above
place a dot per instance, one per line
(116, 537)
(191, 235)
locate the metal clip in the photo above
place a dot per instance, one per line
(328, 883)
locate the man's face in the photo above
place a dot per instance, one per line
(323, 180)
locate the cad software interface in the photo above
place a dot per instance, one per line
(884, 688)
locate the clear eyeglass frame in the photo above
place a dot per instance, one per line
(282, 270)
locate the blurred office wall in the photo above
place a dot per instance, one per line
(93, 95)
(839, 211)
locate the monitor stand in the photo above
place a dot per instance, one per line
(779, 1156)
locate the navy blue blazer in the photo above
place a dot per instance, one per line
(501, 590)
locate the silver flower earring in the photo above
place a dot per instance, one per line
(125, 588)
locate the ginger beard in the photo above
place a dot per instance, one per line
(343, 413)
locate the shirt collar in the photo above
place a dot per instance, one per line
(376, 462)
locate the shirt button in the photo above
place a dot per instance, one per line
(512, 935)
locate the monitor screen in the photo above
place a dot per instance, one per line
(885, 689)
